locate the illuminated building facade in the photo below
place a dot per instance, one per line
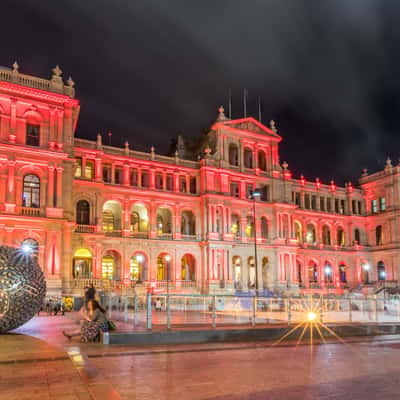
(117, 216)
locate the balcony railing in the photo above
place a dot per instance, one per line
(164, 236)
(85, 228)
(30, 211)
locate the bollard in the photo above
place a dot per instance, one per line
(168, 312)
(149, 311)
(214, 316)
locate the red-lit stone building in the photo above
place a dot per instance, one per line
(93, 212)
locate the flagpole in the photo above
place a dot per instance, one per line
(259, 108)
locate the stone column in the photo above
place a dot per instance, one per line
(59, 187)
(10, 197)
(50, 186)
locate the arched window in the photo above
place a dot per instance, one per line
(248, 158)
(311, 236)
(313, 272)
(381, 271)
(164, 221)
(83, 212)
(328, 272)
(342, 273)
(31, 246)
(340, 238)
(262, 163)
(82, 264)
(188, 268)
(264, 228)
(233, 154)
(135, 222)
(379, 235)
(111, 217)
(164, 266)
(235, 227)
(237, 272)
(138, 267)
(298, 231)
(326, 235)
(31, 191)
(250, 227)
(188, 224)
(357, 236)
(252, 272)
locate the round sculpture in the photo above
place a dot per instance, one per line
(22, 287)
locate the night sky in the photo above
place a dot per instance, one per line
(328, 72)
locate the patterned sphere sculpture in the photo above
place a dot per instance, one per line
(22, 287)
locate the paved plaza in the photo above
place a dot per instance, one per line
(48, 367)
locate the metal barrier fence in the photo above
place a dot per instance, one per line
(170, 310)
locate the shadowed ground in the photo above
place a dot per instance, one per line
(364, 368)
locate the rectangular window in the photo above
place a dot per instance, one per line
(307, 202)
(359, 207)
(170, 182)
(313, 202)
(249, 190)
(89, 169)
(159, 181)
(297, 199)
(193, 185)
(182, 184)
(32, 135)
(235, 189)
(145, 179)
(107, 173)
(118, 174)
(337, 208)
(329, 204)
(374, 206)
(322, 203)
(382, 204)
(342, 206)
(265, 196)
(134, 177)
(78, 169)
(354, 207)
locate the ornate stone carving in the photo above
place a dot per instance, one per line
(22, 288)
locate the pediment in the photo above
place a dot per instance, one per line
(251, 125)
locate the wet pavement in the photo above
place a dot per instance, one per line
(53, 368)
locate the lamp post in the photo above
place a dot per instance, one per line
(254, 196)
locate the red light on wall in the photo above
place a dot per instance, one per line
(317, 183)
(333, 186)
(302, 180)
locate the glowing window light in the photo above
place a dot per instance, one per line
(311, 316)
(26, 248)
(139, 258)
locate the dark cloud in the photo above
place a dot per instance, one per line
(327, 71)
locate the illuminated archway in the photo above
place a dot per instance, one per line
(82, 264)
(237, 271)
(188, 268)
(139, 219)
(252, 272)
(164, 266)
(164, 221)
(110, 265)
(138, 267)
(381, 271)
(111, 216)
(188, 223)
